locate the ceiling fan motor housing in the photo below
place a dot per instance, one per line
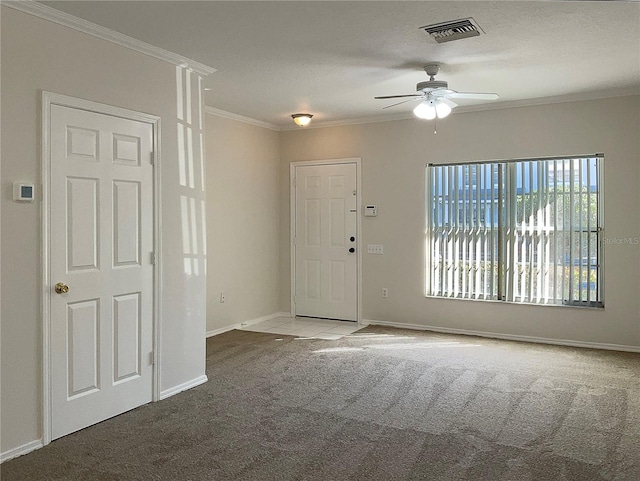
(431, 85)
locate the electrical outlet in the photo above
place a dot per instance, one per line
(221, 297)
(385, 292)
(374, 249)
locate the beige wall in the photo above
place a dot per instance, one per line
(394, 155)
(39, 55)
(243, 221)
(248, 202)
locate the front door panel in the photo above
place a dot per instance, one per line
(325, 241)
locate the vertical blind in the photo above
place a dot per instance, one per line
(520, 231)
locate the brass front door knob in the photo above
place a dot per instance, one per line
(61, 288)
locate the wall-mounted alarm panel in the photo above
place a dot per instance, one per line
(370, 210)
(23, 192)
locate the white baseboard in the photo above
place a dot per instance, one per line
(183, 387)
(20, 450)
(37, 444)
(222, 330)
(244, 324)
(508, 337)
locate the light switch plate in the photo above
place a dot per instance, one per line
(370, 210)
(374, 249)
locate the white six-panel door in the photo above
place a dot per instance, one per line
(325, 241)
(101, 240)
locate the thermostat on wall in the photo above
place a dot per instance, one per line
(370, 210)
(23, 192)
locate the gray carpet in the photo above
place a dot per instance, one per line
(382, 404)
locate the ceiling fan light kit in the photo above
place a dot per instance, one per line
(435, 96)
(302, 120)
(425, 110)
(432, 108)
(442, 109)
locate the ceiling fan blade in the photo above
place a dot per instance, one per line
(399, 103)
(441, 92)
(397, 96)
(472, 95)
(449, 102)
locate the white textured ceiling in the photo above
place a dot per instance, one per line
(331, 58)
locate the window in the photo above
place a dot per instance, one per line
(526, 231)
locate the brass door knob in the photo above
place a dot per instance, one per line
(61, 288)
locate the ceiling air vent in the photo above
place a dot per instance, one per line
(453, 30)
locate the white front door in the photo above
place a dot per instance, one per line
(325, 241)
(101, 239)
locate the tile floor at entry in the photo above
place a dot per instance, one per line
(305, 327)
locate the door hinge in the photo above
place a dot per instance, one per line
(294, 182)
(152, 358)
(153, 258)
(152, 158)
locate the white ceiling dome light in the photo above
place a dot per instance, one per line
(302, 120)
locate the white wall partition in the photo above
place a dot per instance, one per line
(243, 222)
(59, 59)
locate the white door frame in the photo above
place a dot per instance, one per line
(292, 226)
(49, 99)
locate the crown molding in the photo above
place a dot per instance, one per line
(354, 121)
(240, 118)
(509, 104)
(559, 99)
(61, 18)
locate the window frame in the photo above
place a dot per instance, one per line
(505, 260)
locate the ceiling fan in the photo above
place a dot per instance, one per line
(435, 96)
